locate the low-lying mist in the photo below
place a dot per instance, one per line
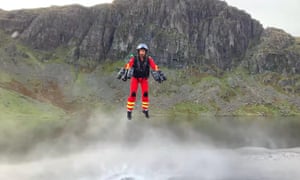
(107, 146)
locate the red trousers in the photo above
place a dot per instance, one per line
(134, 82)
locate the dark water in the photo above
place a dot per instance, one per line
(167, 148)
(234, 132)
(226, 132)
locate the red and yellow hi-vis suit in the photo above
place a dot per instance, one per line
(141, 69)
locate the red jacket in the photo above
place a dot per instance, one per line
(141, 68)
(150, 60)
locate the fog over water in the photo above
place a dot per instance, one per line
(142, 149)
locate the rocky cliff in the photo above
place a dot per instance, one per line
(67, 56)
(179, 32)
(276, 52)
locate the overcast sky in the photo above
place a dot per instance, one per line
(283, 14)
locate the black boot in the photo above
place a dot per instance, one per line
(129, 115)
(146, 112)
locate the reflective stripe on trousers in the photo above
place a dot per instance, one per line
(134, 83)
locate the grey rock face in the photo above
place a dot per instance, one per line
(58, 27)
(274, 54)
(177, 31)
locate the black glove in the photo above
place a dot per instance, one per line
(158, 76)
(121, 73)
(125, 75)
(130, 73)
(155, 75)
(162, 77)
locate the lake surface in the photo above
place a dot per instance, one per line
(185, 148)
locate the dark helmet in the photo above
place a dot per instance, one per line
(142, 46)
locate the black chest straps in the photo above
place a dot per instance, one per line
(141, 69)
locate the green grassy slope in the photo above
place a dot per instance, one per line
(15, 106)
(25, 120)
